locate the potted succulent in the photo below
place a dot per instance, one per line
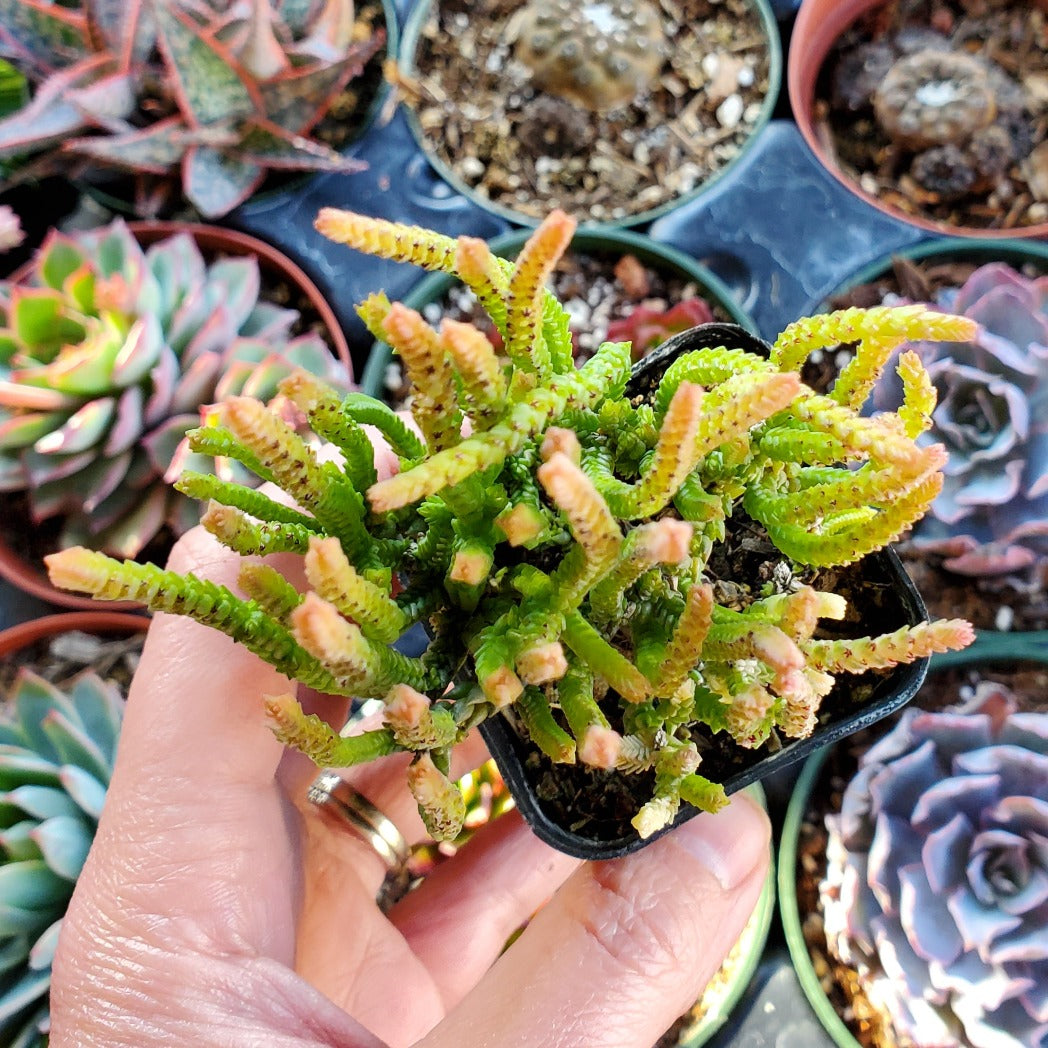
(205, 102)
(620, 286)
(930, 112)
(912, 870)
(623, 573)
(981, 549)
(615, 112)
(59, 723)
(113, 340)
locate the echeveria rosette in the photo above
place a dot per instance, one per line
(56, 753)
(108, 354)
(936, 890)
(991, 517)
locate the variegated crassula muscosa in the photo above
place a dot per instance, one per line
(554, 534)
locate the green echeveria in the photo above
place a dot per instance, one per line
(56, 756)
(108, 353)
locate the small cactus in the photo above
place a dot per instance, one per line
(597, 55)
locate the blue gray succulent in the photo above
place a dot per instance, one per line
(991, 517)
(936, 888)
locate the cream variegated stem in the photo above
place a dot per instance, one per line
(592, 526)
(793, 347)
(364, 668)
(707, 368)
(663, 541)
(440, 802)
(604, 371)
(392, 240)
(269, 589)
(373, 312)
(918, 395)
(743, 639)
(482, 382)
(338, 582)
(525, 345)
(904, 645)
(314, 737)
(250, 537)
(208, 487)
(686, 642)
(559, 439)
(542, 663)
(484, 275)
(521, 523)
(580, 708)
(435, 406)
(604, 660)
(415, 724)
(672, 766)
(85, 571)
(749, 716)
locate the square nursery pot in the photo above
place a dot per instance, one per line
(553, 797)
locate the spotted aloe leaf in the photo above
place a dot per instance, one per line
(215, 182)
(154, 150)
(45, 33)
(270, 146)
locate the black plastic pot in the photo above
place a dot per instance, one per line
(840, 715)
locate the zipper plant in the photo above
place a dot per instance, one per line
(557, 534)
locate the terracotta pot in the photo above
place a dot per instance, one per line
(819, 25)
(839, 715)
(607, 242)
(14, 638)
(213, 240)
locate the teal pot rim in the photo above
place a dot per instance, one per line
(586, 239)
(120, 206)
(980, 251)
(757, 930)
(1033, 647)
(406, 60)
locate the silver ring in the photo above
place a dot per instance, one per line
(331, 793)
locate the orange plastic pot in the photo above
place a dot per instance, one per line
(100, 623)
(819, 24)
(212, 241)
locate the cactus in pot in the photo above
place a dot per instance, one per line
(560, 537)
(212, 97)
(108, 353)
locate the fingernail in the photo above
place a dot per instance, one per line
(729, 844)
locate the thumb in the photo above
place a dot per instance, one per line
(625, 946)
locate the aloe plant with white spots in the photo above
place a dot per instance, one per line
(212, 96)
(108, 354)
(556, 534)
(56, 754)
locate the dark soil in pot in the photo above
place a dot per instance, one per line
(988, 603)
(526, 150)
(940, 110)
(1029, 681)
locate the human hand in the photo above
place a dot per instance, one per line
(218, 908)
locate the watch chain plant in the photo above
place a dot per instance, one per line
(108, 354)
(57, 746)
(937, 875)
(555, 534)
(217, 95)
(991, 517)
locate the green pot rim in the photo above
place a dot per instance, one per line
(969, 248)
(1032, 647)
(588, 239)
(750, 959)
(406, 60)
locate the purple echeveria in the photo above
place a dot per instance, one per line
(992, 415)
(936, 888)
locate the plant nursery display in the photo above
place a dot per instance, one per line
(109, 351)
(571, 551)
(191, 97)
(930, 872)
(62, 706)
(612, 111)
(936, 111)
